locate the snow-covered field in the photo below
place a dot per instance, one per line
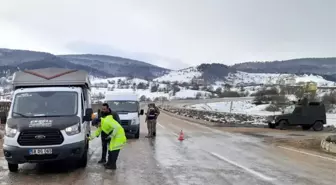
(268, 78)
(183, 75)
(110, 85)
(246, 107)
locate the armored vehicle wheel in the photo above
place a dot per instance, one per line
(318, 126)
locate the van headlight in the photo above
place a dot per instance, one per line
(10, 132)
(134, 122)
(72, 130)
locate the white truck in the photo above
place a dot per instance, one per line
(128, 108)
(49, 118)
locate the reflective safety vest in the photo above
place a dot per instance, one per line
(115, 130)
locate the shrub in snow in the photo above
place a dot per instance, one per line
(272, 108)
(230, 94)
(141, 85)
(154, 88)
(329, 101)
(148, 99)
(143, 98)
(198, 95)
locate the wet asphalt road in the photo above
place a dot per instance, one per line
(206, 156)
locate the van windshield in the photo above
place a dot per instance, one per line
(45, 104)
(123, 106)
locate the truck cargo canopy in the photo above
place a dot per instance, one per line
(50, 77)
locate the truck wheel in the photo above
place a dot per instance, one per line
(306, 127)
(137, 135)
(283, 124)
(318, 126)
(13, 167)
(84, 159)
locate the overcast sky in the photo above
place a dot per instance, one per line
(173, 33)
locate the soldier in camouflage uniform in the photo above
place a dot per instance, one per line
(151, 118)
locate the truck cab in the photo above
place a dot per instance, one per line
(128, 108)
(49, 118)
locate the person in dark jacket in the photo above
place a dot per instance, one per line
(151, 119)
(104, 112)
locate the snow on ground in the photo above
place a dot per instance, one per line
(183, 75)
(185, 93)
(182, 94)
(268, 78)
(246, 107)
(95, 80)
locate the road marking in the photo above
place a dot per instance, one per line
(167, 129)
(264, 177)
(198, 125)
(161, 126)
(307, 153)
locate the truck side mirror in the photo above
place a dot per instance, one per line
(88, 114)
(141, 112)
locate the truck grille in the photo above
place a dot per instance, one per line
(47, 137)
(125, 122)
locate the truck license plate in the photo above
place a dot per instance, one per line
(40, 151)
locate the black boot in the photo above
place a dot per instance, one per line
(110, 166)
(154, 134)
(102, 161)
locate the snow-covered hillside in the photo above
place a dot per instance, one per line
(244, 78)
(183, 75)
(189, 85)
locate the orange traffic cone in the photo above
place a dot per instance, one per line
(181, 136)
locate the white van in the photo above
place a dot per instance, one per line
(128, 108)
(49, 118)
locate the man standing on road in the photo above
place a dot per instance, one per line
(105, 111)
(151, 119)
(115, 135)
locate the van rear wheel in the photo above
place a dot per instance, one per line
(318, 126)
(13, 167)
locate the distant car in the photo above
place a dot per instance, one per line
(310, 115)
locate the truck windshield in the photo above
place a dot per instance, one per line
(45, 104)
(123, 106)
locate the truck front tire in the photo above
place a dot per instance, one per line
(84, 159)
(137, 135)
(13, 167)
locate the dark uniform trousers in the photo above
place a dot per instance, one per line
(151, 125)
(105, 144)
(112, 159)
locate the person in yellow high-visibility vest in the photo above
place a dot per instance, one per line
(116, 135)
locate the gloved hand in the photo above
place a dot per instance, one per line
(90, 138)
(108, 138)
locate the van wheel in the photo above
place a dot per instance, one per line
(318, 126)
(84, 159)
(306, 127)
(137, 135)
(13, 167)
(283, 124)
